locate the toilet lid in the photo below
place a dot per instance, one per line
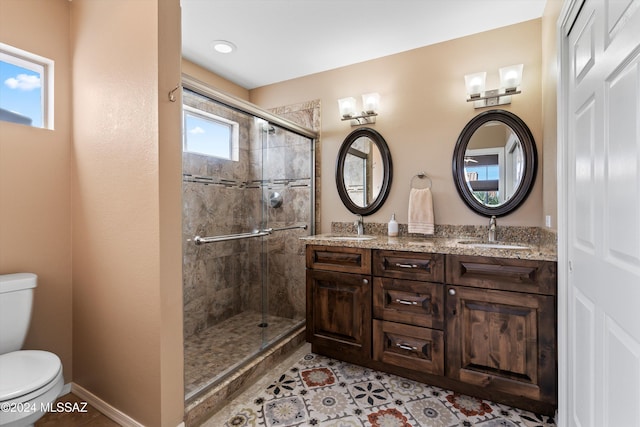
(24, 371)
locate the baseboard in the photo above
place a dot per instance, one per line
(102, 406)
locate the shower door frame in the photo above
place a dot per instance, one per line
(195, 85)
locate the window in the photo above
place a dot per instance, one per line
(205, 133)
(25, 96)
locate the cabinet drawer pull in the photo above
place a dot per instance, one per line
(406, 265)
(452, 291)
(407, 347)
(405, 302)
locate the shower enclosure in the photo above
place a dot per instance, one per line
(245, 206)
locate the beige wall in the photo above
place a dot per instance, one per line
(423, 110)
(221, 84)
(550, 109)
(35, 193)
(126, 207)
(170, 192)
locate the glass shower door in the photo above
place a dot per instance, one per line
(287, 211)
(243, 262)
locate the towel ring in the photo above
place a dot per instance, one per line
(421, 175)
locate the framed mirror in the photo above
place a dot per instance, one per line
(363, 171)
(495, 163)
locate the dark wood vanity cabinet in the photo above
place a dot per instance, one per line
(339, 302)
(482, 326)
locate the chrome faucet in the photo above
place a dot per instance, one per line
(359, 224)
(492, 229)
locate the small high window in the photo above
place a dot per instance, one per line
(205, 133)
(25, 91)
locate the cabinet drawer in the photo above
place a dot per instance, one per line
(335, 258)
(408, 301)
(409, 265)
(538, 277)
(410, 347)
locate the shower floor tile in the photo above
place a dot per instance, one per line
(215, 351)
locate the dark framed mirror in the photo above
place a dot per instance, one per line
(364, 171)
(495, 163)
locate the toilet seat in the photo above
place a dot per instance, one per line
(27, 371)
(34, 379)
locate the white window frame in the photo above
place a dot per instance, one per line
(234, 126)
(38, 64)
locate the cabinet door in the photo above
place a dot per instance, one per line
(502, 341)
(339, 314)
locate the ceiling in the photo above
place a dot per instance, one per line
(280, 40)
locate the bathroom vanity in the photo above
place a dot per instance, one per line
(476, 320)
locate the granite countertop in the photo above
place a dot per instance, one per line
(443, 245)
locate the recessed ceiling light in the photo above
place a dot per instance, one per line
(223, 46)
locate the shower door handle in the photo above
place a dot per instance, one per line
(198, 240)
(223, 238)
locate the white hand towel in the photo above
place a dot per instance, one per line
(421, 211)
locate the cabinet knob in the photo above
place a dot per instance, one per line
(452, 291)
(365, 281)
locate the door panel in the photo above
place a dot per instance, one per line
(583, 349)
(601, 73)
(622, 366)
(622, 157)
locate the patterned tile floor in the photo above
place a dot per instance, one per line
(313, 390)
(216, 350)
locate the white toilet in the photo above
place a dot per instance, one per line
(30, 380)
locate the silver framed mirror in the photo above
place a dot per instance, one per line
(495, 163)
(363, 171)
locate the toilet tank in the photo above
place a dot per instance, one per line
(16, 296)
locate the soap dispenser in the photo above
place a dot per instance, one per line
(393, 226)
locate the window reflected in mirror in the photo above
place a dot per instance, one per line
(494, 162)
(363, 174)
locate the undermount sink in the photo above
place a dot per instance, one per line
(492, 245)
(349, 238)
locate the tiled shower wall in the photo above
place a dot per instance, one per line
(226, 197)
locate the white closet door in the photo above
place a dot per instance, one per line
(601, 81)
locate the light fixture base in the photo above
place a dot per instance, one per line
(491, 98)
(362, 119)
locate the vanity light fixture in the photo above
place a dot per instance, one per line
(510, 79)
(370, 105)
